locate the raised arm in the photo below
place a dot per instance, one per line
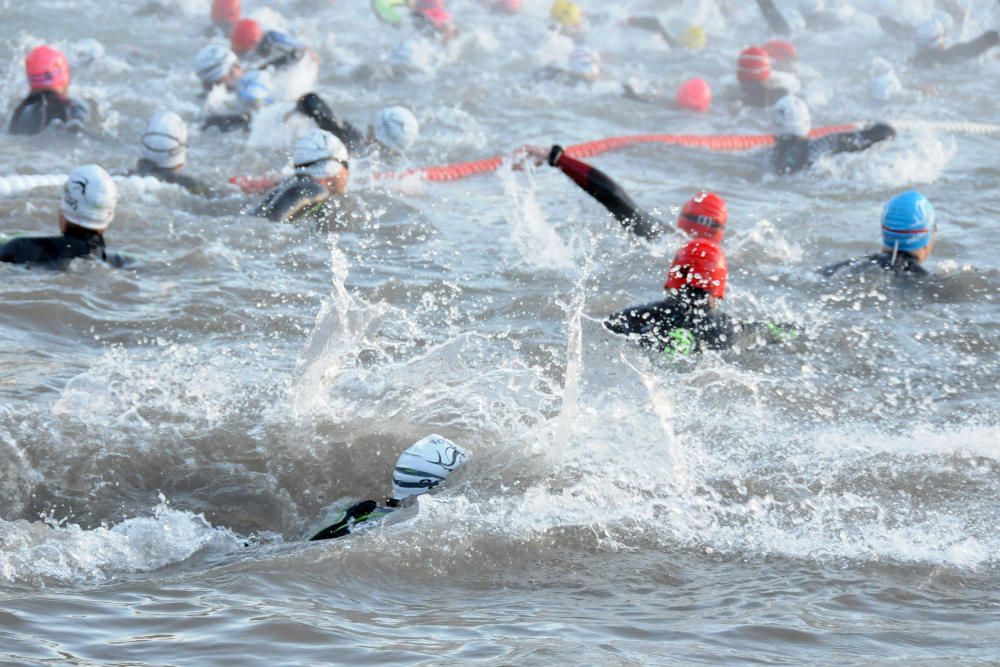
(313, 106)
(775, 21)
(854, 142)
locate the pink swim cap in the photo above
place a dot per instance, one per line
(47, 69)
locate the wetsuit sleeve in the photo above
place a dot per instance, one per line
(355, 514)
(653, 24)
(852, 142)
(77, 114)
(970, 50)
(313, 106)
(227, 123)
(775, 21)
(600, 186)
(895, 28)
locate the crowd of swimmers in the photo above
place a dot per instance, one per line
(243, 60)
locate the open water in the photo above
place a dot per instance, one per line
(169, 433)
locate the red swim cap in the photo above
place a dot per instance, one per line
(781, 51)
(704, 217)
(225, 12)
(47, 69)
(695, 94)
(246, 36)
(754, 65)
(701, 264)
(439, 18)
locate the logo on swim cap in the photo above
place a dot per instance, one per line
(908, 222)
(425, 465)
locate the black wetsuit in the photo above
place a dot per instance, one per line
(683, 324)
(192, 185)
(903, 263)
(775, 21)
(39, 109)
(313, 106)
(897, 29)
(58, 251)
(792, 154)
(231, 123)
(366, 510)
(278, 50)
(294, 198)
(757, 94)
(957, 53)
(600, 186)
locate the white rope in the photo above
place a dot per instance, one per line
(955, 127)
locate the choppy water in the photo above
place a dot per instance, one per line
(834, 501)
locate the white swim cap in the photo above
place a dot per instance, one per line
(319, 154)
(396, 128)
(424, 465)
(884, 84)
(89, 198)
(929, 34)
(214, 62)
(791, 116)
(164, 141)
(585, 62)
(255, 90)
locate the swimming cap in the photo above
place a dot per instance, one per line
(319, 154)
(246, 36)
(439, 18)
(781, 52)
(89, 198)
(907, 222)
(254, 90)
(704, 217)
(424, 465)
(214, 62)
(585, 62)
(929, 34)
(694, 38)
(396, 128)
(754, 64)
(791, 116)
(695, 94)
(164, 142)
(47, 69)
(811, 7)
(566, 13)
(225, 12)
(700, 264)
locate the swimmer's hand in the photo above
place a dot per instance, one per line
(536, 155)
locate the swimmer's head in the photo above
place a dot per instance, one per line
(704, 217)
(929, 34)
(255, 90)
(908, 224)
(246, 36)
(695, 94)
(567, 14)
(425, 465)
(89, 198)
(699, 269)
(791, 117)
(322, 156)
(225, 13)
(396, 128)
(694, 38)
(784, 55)
(47, 69)
(164, 141)
(215, 64)
(585, 63)
(754, 65)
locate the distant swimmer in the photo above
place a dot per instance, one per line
(432, 18)
(704, 216)
(420, 469)
(566, 17)
(694, 37)
(754, 72)
(88, 205)
(695, 94)
(908, 227)
(225, 14)
(270, 49)
(394, 131)
(793, 149)
(321, 170)
(253, 92)
(48, 75)
(689, 320)
(217, 65)
(164, 153)
(584, 67)
(931, 50)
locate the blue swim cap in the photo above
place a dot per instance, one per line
(907, 222)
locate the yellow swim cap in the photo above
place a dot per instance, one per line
(567, 13)
(694, 38)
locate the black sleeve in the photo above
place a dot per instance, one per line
(313, 106)
(227, 123)
(970, 50)
(853, 142)
(895, 28)
(775, 21)
(342, 527)
(653, 24)
(601, 187)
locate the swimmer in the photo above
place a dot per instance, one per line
(930, 38)
(689, 320)
(253, 92)
(321, 170)
(704, 216)
(908, 229)
(420, 469)
(433, 19)
(88, 206)
(754, 71)
(793, 149)
(48, 75)
(225, 14)
(693, 38)
(394, 131)
(566, 17)
(217, 65)
(695, 94)
(164, 153)
(584, 66)
(271, 49)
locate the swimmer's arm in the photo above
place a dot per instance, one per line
(897, 29)
(970, 50)
(775, 21)
(854, 142)
(313, 106)
(652, 24)
(601, 187)
(356, 514)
